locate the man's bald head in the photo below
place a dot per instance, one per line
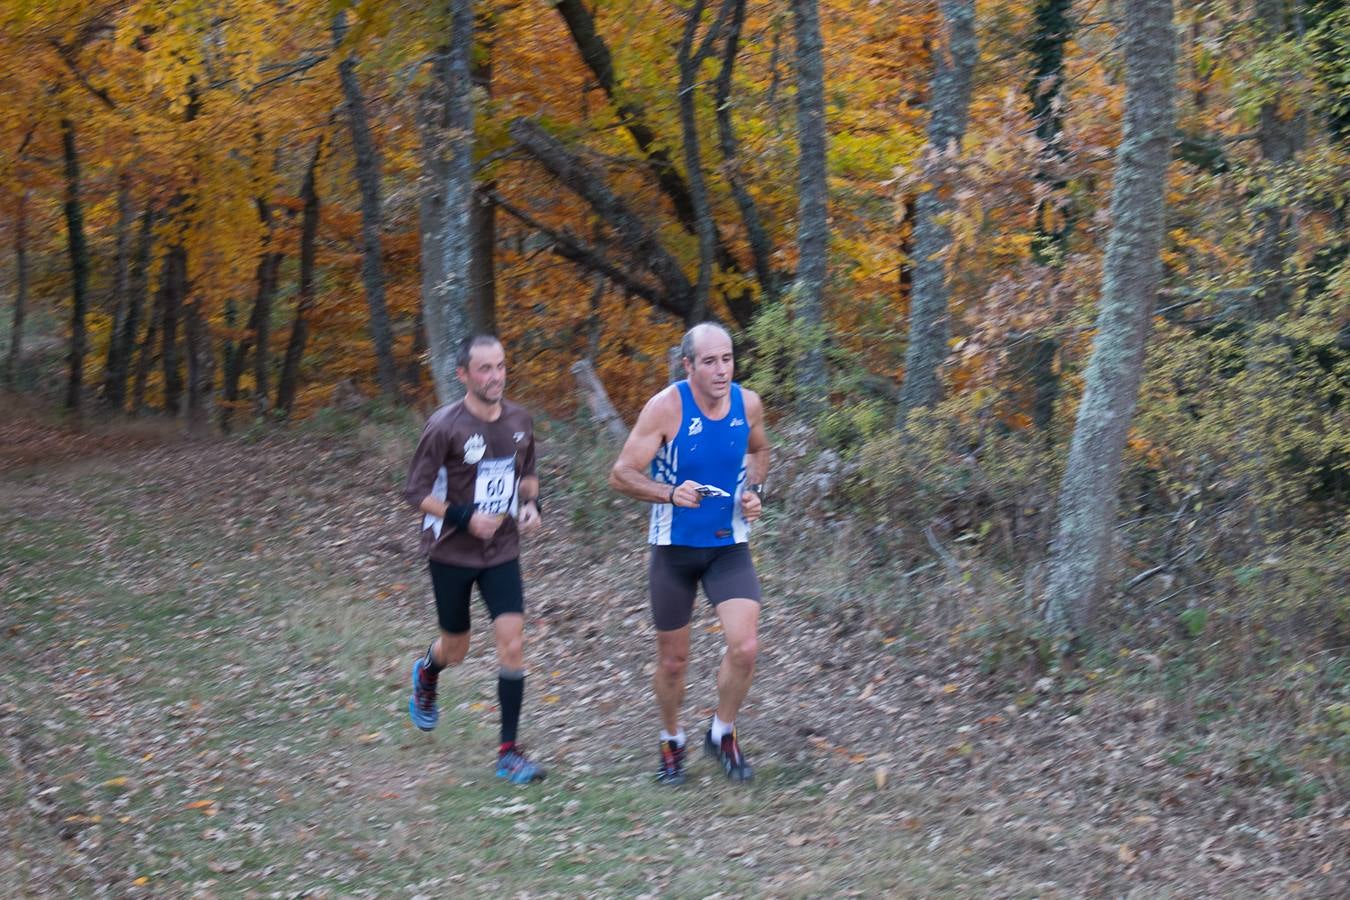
(697, 336)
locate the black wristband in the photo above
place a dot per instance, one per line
(757, 489)
(459, 516)
(671, 501)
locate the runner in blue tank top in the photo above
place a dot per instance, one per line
(699, 454)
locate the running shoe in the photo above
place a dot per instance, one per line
(728, 755)
(422, 704)
(671, 770)
(516, 768)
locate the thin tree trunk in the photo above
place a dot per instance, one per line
(268, 269)
(146, 357)
(126, 221)
(201, 367)
(808, 293)
(232, 359)
(1081, 548)
(15, 354)
(367, 161)
(482, 211)
(309, 231)
(79, 265)
(447, 236)
(1280, 137)
(1033, 356)
(761, 246)
(949, 96)
(124, 337)
(689, 61)
(172, 289)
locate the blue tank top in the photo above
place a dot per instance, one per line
(709, 451)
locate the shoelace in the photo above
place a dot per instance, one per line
(515, 760)
(426, 694)
(730, 749)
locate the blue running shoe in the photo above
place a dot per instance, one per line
(422, 704)
(516, 768)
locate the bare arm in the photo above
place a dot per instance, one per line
(756, 455)
(656, 424)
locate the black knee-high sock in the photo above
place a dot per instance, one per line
(429, 663)
(510, 695)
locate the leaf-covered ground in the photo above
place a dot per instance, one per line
(204, 654)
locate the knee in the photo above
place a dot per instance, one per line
(673, 665)
(743, 651)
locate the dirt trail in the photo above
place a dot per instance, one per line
(877, 756)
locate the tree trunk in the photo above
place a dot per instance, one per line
(1033, 355)
(689, 62)
(304, 302)
(813, 234)
(268, 269)
(79, 265)
(1081, 548)
(482, 211)
(597, 401)
(173, 284)
(124, 337)
(447, 234)
(15, 355)
(367, 162)
(126, 221)
(1280, 136)
(201, 367)
(761, 246)
(146, 357)
(949, 96)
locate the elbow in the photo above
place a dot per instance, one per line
(615, 478)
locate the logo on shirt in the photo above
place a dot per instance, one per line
(737, 421)
(519, 436)
(474, 448)
(695, 426)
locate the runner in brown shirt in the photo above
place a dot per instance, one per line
(473, 478)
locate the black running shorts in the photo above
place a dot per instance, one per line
(500, 586)
(675, 572)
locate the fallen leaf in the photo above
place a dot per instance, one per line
(119, 781)
(201, 804)
(1126, 855)
(551, 698)
(950, 688)
(880, 776)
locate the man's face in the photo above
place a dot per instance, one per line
(711, 369)
(485, 375)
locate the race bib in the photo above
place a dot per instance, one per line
(495, 491)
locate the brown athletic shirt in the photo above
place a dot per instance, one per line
(463, 460)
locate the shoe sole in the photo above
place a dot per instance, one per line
(412, 703)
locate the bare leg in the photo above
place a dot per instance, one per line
(740, 626)
(672, 648)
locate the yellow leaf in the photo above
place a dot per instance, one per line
(950, 688)
(142, 881)
(201, 804)
(1126, 855)
(552, 698)
(119, 781)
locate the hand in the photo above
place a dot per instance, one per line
(484, 526)
(529, 519)
(751, 506)
(687, 495)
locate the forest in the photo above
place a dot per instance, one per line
(1048, 300)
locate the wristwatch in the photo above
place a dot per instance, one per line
(757, 489)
